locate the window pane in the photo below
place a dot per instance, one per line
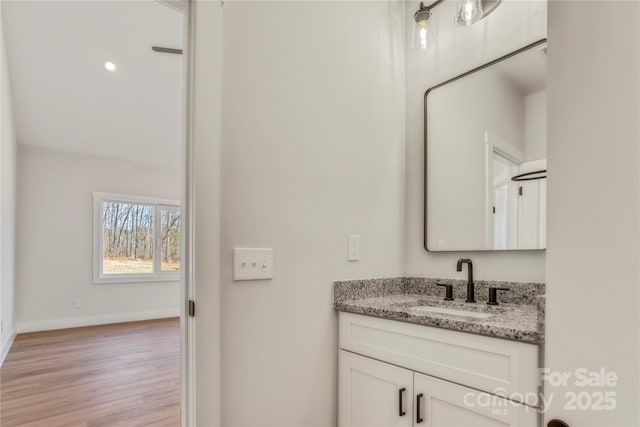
(171, 223)
(128, 238)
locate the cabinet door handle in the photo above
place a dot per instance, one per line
(401, 411)
(419, 419)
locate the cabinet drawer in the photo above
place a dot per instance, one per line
(490, 364)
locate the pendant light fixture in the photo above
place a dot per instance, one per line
(423, 31)
(468, 13)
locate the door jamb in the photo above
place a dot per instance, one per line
(187, 323)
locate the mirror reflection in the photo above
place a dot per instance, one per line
(485, 145)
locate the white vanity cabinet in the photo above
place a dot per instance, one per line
(397, 374)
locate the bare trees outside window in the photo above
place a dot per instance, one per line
(138, 239)
(128, 238)
(171, 222)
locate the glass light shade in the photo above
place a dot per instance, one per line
(110, 66)
(469, 12)
(423, 31)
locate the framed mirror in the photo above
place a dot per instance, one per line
(485, 156)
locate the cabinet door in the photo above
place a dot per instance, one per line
(373, 393)
(441, 403)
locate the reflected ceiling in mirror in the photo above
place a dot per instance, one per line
(485, 156)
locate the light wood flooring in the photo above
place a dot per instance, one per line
(125, 374)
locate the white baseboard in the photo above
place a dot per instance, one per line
(102, 319)
(6, 346)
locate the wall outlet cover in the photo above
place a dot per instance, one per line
(353, 247)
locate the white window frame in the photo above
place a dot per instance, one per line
(98, 240)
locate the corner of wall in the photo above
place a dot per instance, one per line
(6, 346)
(8, 155)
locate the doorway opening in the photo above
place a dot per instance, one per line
(99, 106)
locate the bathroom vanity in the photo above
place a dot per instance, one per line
(442, 352)
(408, 357)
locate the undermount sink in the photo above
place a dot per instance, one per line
(430, 309)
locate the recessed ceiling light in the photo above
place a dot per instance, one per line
(110, 66)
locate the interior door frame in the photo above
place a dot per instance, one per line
(187, 290)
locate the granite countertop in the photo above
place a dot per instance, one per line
(520, 317)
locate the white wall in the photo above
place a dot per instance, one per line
(594, 202)
(7, 204)
(511, 26)
(535, 125)
(55, 240)
(312, 150)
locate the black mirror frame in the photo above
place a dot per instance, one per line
(426, 94)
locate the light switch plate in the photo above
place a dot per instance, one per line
(353, 243)
(252, 263)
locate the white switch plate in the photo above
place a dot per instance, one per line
(252, 263)
(353, 243)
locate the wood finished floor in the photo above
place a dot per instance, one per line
(126, 374)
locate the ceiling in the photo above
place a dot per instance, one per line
(64, 98)
(526, 71)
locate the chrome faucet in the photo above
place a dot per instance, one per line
(471, 293)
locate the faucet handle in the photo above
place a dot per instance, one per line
(493, 295)
(448, 291)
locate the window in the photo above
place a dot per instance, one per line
(137, 239)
